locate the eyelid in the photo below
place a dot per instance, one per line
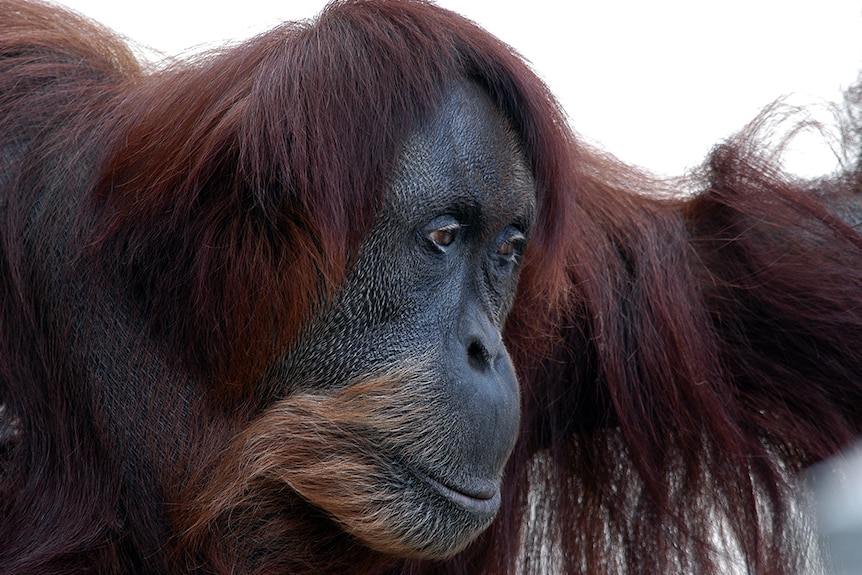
(442, 232)
(512, 245)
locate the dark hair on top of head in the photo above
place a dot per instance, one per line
(298, 130)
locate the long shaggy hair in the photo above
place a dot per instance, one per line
(681, 358)
(704, 354)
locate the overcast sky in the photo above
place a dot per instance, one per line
(656, 83)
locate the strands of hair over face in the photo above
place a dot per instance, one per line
(286, 122)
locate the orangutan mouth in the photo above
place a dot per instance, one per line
(484, 500)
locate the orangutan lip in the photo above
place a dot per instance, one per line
(485, 503)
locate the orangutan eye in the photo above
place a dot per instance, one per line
(512, 246)
(442, 236)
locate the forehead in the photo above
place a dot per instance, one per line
(466, 156)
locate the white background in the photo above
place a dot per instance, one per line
(655, 83)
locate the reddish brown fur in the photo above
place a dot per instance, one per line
(275, 120)
(680, 359)
(706, 354)
(309, 443)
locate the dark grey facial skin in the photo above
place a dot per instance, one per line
(432, 285)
